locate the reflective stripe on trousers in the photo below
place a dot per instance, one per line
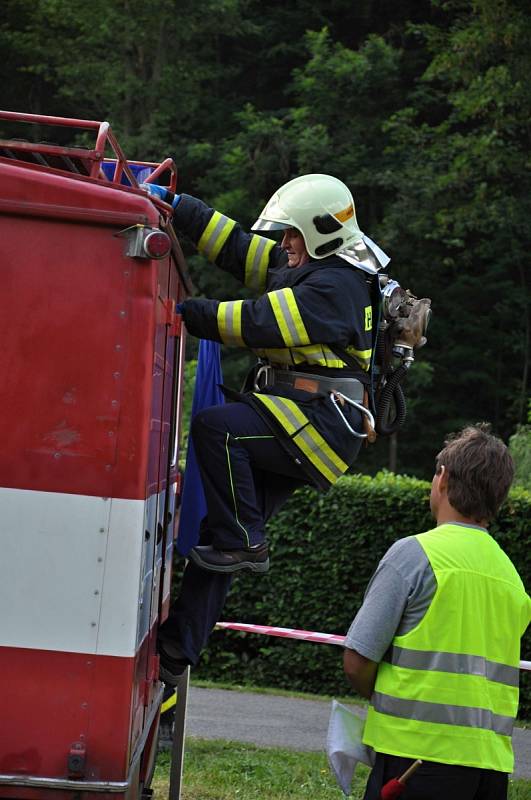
(305, 436)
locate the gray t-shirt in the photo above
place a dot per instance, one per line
(396, 599)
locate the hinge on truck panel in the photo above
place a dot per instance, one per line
(154, 667)
(144, 691)
(76, 760)
(173, 320)
(178, 487)
(152, 676)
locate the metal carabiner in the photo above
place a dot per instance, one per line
(263, 371)
(361, 409)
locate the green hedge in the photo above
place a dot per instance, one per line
(324, 549)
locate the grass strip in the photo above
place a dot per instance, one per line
(349, 699)
(222, 770)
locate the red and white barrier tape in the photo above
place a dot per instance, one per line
(287, 633)
(306, 636)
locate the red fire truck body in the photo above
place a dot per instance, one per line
(91, 362)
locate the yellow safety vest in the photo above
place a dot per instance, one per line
(447, 691)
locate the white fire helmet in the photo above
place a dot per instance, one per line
(320, 207)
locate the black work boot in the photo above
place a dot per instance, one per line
(171, 667)
(255, 559)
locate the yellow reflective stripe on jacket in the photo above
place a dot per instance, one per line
(230, 322)
(257, 262)
(316, 354)
(215, 235)
(363, 357)
(288, 317)
(275, 355)
(305, 436)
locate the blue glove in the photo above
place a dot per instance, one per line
(162, 193)
(179, 308)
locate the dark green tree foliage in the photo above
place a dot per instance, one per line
(459, 220)
(156, 70)
(323, 551)
(421, 107)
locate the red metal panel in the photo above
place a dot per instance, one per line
(88, 359)
(63, 698)
(78, 337)
(22, 793)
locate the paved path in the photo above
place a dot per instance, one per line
(270, 720)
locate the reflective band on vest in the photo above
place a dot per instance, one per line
(448, 689)
(215, 235)
(305, 436)
(288, 317)
(454, 662)
(442, 713)
(257, 262)
(230, 322)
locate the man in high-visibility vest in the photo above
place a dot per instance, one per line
(436, 643)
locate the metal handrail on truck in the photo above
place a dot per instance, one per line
(73, 157)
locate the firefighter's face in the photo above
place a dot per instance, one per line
(293, 243)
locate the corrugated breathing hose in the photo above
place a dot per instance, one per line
(392, 391)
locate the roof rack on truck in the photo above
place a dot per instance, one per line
(90, 162)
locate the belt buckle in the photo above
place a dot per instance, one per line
(261, 378)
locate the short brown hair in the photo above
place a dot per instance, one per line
(480, 471)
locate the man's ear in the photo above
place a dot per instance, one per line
(442, 480)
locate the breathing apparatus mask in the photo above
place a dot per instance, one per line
(401, 330)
